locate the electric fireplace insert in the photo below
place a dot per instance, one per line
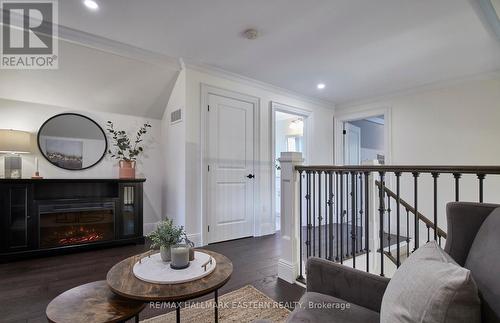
(76, 223)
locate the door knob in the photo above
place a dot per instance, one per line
(251, 176)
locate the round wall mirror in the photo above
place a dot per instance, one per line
(72, 141)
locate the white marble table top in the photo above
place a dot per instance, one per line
(154, 270)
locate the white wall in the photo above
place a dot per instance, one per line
(172, 163)
(321, 139)
(372, 139)
(372, 134)
(174, 157)
(452, 125)
(29, 117)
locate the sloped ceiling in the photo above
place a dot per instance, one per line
(93, 79)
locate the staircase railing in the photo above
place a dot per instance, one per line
(409, 209)
(350, 213)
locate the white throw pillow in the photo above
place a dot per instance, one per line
(430, 287)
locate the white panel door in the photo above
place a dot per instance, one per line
(352, 144)
(230, 195)
(352, 156)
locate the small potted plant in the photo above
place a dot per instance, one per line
(125, 150)
(165, 236)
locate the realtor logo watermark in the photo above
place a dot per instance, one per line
(29, 34)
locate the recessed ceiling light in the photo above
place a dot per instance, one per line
(321, 86)
(297, 125)
(91, 4)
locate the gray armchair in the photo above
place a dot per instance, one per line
(338, 285)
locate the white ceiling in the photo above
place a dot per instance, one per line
(91, 79)
(283, 116)
(358, 48)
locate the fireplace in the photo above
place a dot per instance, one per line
(75, 224)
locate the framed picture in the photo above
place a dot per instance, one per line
(65, 153)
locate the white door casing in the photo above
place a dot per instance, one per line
(352, 156)
(305, 114)
(357, 114)
(230, 154)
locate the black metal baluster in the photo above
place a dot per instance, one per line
(327, 201)
(355, 230)
(300, 226)
(353, 218)
(346, 213)
(337, 216)
(389, 223)
(308, 232)
(481, 177)
(428, 233)
(415, 192)
(313, 199)
(381, 219)
(330, 229)
(360, 245)
(367, 213)
(341, 217)
(407, 233)
(319, 213)
(457, 186)
(435, 177)
(398, 215)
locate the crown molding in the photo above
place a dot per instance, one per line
(104, 44)
(256, 83)
(491, 75)
(488, 15)
(117, 48)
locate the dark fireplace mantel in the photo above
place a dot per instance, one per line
(50, 216)
(71, 180)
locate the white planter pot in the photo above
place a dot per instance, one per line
(165, 254)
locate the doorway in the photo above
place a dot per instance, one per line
(229, 158)
(289, 133)
(364, 141)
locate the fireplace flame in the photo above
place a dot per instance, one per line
(79, 235)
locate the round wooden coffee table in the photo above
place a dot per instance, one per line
(121, 280)
(92, 302)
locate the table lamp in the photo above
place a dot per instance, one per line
(13, 143)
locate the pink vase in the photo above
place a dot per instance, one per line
(127, 169)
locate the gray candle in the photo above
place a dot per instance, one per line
(180, 256)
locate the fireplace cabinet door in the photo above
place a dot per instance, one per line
(130, 222)
(17, 222)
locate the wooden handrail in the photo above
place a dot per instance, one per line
(410, 208)
(491, 170)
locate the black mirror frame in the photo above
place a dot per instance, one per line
(78, 115)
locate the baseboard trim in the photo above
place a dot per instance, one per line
(266, 229)
(287, 271)
(196, 239)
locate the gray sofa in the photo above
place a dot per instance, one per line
(331, 283)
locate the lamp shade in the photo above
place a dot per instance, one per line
(15, 141)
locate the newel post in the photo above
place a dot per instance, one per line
(288, 264)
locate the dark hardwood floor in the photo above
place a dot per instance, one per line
(320, 246)
(26, 287)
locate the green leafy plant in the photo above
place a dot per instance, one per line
(166, 235)
(124, 147)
